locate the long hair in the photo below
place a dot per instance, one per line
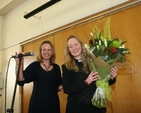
(52, 59)
(70, 60)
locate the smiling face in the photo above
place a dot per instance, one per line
(75, 48)
(46, 51)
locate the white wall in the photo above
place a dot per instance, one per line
(1, 18)
(14, 28)
(11, 77)
(17, 29)
(0, 59)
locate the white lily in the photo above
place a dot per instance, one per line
(105, 42)
(122, 46)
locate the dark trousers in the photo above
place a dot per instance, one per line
(89, 108)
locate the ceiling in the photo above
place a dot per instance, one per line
(8, 5)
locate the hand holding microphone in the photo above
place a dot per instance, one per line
(23, 54)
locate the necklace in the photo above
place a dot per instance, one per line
(47, 67)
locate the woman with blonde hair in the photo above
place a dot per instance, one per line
(46, 77)
(78, 80)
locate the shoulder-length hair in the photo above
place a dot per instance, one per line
(52, 59)
(70, 60)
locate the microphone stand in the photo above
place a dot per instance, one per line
(14, 93)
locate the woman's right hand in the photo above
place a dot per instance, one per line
(17, 59)
(20, 77)
(93, 76)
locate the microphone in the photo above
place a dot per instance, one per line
(26, 54)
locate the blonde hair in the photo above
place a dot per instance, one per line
(70, 60)
(52, 59)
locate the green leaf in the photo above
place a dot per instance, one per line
(107, 33)
(96, 31)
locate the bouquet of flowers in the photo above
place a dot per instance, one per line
(103, 52)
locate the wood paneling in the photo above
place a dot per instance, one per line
(125, 25)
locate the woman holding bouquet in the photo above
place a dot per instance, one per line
(78, 80)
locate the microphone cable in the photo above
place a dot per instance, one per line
(6, 84)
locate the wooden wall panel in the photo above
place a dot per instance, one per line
(126, 92)
(126, 25)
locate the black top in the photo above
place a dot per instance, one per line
(77, 90)
(44, 98)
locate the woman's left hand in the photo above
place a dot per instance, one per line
(113, 70)
(60, 88)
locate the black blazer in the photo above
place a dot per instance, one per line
(73, 84)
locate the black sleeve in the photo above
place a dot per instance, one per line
(29, 73)
(58, 72)
(71, 82)
(112, 81)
